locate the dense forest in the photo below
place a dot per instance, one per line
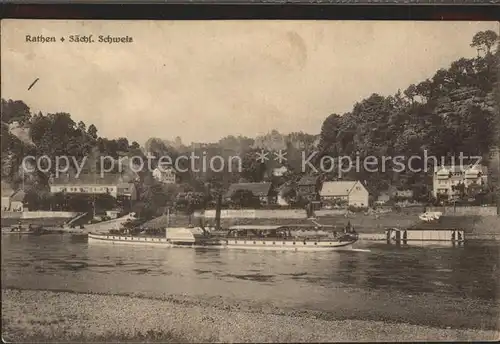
(454, 111)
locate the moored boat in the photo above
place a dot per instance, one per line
(293, 238)
(175, 237)
(31, 230)
(238, 237)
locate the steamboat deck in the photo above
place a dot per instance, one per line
(190, 238)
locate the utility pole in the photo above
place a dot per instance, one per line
(218, 211)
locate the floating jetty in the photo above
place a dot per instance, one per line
(427, 235)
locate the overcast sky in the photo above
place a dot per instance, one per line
(203, 80)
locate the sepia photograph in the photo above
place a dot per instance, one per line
(237, 181)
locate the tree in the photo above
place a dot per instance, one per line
(82, 127)
(32, 200)
(92, 131)
(57, 135)
(252, 168)
(329, 131)
(289, 194)
(191, 201)
(15, 111)
(245, 199)
(454, 111)
(104, 202)
(484, 41)
(152, 199)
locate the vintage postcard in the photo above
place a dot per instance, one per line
(250, 181)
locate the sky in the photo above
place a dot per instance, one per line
(204, 80)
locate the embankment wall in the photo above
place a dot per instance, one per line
(468, 210)
(37, 214)
(371, 223)
(258, 214)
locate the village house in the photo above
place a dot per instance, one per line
(12, 200)
(165, 175)
(406, 194)
(447, 179)
(17, 201)
(383, 198)
(279, 171)
(7, 192)
(115, 185)
(354, 193)
(386, 195)
(392, 192)
(308, 188)
(264, 191)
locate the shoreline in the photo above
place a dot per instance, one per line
(71, 316)
(363, 237)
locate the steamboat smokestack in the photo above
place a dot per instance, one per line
(218, 211)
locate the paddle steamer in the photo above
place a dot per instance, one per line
(275, 237)
(290, 238)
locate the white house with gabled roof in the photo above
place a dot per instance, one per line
(354, 192)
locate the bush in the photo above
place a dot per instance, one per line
(356, 209)
(396, 208)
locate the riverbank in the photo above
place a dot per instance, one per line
(65, 316)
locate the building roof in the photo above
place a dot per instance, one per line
(258, 189)
(18, 196)
(308, 180)
(339, 188)
(125, 186)
(444, 170)
(404, 191)
(89, 179)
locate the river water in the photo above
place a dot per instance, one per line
(453, 287)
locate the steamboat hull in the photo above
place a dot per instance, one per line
(270, 245)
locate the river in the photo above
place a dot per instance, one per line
(448, 287)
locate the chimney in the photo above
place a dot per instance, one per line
(218, 211)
